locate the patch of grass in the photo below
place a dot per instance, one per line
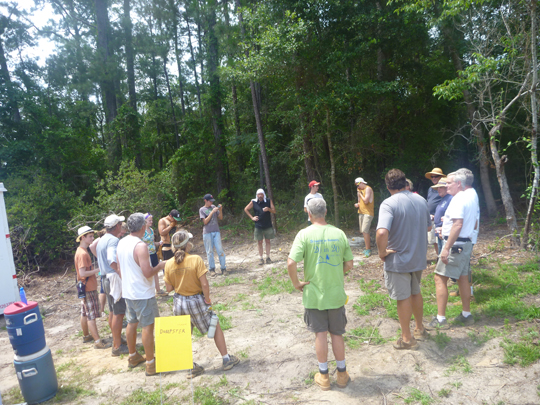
(59, 352)
(225, 321)
(228, 281)
(275, 284)
(68, 393)
(141, 397)
(310, 377)
(360, 335)
(65, 366)
(240, 297)
(459, 363)
(444, 393)
(247, 305)
(14, 396)
(374, 299)
(479, 338)
(457, 384)
(243, 354)
(441, 339)
(207, 396)
(523, 350)
(220, 307)
(417, 396)
(196, 333)
(171, 385)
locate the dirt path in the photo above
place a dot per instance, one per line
(277, 353)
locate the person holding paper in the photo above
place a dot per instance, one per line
(186, 275)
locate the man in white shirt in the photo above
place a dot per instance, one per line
(138, 291)
(313, 193)
(457, 230)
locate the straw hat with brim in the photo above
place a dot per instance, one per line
(435, 172)
(442, 183)
(83, 231)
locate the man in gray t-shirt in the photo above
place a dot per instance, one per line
(210, 214)
(402, 244)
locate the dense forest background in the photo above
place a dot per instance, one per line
(146, 105)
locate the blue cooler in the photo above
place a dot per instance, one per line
(37, 376)
(25, 328)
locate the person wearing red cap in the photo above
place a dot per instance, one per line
(313, 193)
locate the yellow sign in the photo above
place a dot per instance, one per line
(173, 343)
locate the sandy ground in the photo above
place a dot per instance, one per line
(277, 352)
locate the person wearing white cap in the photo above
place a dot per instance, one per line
(366, 210)
(106, 255)
(262, 207)
(186, 275)
(87, 275)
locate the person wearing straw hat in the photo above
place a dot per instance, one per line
(441, 209)
(433, 199)
(366, 210)
(87, 275)
(262, 207)
(186, 275)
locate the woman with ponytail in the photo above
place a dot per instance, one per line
(186, 275)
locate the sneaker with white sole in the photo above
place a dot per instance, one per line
(228, 364)
(466, 321)
(101, 345)
(435, 324)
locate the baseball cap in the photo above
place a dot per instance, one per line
(208, 197)
(83, 230)
(313, 183)
(359, 180)
(175, 214)
(112, 220)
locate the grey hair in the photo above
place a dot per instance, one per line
(459, 177)
(469, 176)
(317, 207)
(135, 222)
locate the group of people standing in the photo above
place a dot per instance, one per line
(405, 225)
(129, 270)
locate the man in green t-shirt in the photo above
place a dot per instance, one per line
(327, 257)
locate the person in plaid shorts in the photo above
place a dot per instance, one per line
(87, 274)
(186, 275)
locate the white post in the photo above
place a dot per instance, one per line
(9, 292)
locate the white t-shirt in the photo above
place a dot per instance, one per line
(135, 286)
(461, 207)
(309, 197)
(471, 193)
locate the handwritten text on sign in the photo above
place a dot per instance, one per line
(173, 343)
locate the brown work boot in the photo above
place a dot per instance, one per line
(454, 293)
(88, 339)
(323, 381)
(342, 379)
(134, 361)
(151, 368)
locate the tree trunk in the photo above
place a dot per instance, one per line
(104, 53)
(215, 98)
(476, 127)
(177, 54)
(194, 64)
(501, 177)
(200, 40)
(177, 136)
(15, 114)
(332, 168)
(534, 131)
(260, 134)
(130, 67)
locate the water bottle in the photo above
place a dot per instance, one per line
(213, 325)
(23, 296)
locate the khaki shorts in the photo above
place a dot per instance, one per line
(458, 263)
(142, 311)
(328, 320)
(365, 222)
(402, 285)
(431, 235)
(263, 233)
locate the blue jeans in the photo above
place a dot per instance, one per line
(213, 240)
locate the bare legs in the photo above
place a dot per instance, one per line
(87, 325)
(321, 347)
(116, 329)
(405, 309)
